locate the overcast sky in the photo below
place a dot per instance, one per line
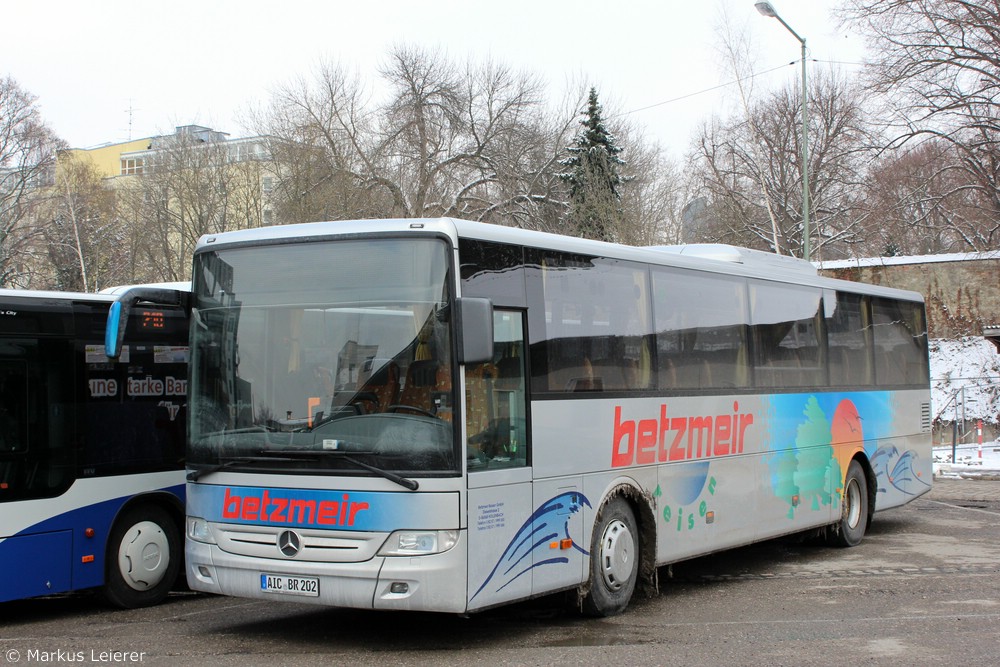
(108, 70)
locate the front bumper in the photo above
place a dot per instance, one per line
(423, 583)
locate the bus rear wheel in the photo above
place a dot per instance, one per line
(143, 559)
(850, 530)
(614, 560)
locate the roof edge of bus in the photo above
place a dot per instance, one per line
(307, 230)
(754, 259)
(758, 259)
(181, 286)
(62, 295)
(107, 294)
(720, 258)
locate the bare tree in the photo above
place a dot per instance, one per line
(471, 141)
(82, 230)
(654, 197)
(476, 140)
(27, 158)
(737, 53)
(752, 177)
(324, 148)
(921, 204)
(937, 62)
(526, 191)
(190, 186)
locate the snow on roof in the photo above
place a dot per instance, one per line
(860, 262)
(737, 255)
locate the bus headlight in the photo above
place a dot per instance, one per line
(419, 542)
(199, 530)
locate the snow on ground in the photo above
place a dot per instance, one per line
(965, 383)
(965, 379)
(972, 461)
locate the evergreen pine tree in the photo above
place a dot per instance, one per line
(592, 173)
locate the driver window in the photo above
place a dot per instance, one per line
(495, 400)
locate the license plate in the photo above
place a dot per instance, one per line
(289, 585)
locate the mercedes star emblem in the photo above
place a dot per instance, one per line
(289, 543)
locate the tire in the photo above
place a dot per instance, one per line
(614, 560)
(850, 530)
(143, 557)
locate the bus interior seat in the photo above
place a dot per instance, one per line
(705, 374)
(667, 374)
(381, 389)
(582, 377)
(720, 369)
(479, 383)
(424, 379)
(610, 373)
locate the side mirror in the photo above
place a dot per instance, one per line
(118, 314)
(474, 330)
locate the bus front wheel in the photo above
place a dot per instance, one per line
(614, 560)
(849, 531)
(143, 559)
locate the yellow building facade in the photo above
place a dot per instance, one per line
(106, 159)
(168, 190)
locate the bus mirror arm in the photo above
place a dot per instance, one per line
(474, 330)
(118, 314)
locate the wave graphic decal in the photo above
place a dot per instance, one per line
(897, 469)
(547, 523)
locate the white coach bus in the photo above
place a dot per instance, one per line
(447, 416)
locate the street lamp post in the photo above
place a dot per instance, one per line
(767, 9)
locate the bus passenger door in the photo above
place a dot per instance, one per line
(499, 475)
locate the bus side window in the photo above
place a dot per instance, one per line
(35, 381)
(900, 342)
(495, 400)
(701, 330)
(849, 331)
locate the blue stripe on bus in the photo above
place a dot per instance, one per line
(54, 555)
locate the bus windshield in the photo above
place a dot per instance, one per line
(323, 358)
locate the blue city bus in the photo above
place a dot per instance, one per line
(92, 448)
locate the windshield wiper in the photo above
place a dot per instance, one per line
(197, 473)
(405, 482)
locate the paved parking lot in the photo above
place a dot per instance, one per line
(973, 490)
(923, 588)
